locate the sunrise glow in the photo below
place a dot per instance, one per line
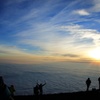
(95, 53)
(36, 30)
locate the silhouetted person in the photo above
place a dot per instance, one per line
(99, 82)
(41, 88)
(88, 83)
(4, 91)
(36, 89)
(12, 89)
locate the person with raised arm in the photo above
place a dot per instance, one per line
(41, 88)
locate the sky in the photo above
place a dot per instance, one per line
(39, 31)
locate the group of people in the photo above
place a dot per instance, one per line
(6, 93)
(38, 89)
(88, 83)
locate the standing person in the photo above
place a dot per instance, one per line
(41, 88)
(36, 90)
(88, 83)
(99, 82)
(4, 91)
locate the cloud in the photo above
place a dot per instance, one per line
(96, 6)
(10, 50)
(14, 55)
(70, 55)
(72, 39)
(82, 12)
(80, 32)
(10, 54)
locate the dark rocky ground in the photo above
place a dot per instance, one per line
(81, 95)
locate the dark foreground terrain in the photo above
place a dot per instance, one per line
(82, 95)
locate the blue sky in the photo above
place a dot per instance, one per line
(34, 31)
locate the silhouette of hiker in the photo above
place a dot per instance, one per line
(88, 83)
(36, 89)
(41, 88)
(99, 82)
(5, 94)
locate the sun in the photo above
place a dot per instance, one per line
(95, 53)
